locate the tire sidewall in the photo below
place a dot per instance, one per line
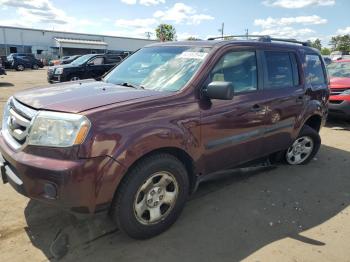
(125, 215)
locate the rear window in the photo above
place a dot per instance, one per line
(281, 70)
(315, 74)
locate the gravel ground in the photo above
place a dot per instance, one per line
(277, 214)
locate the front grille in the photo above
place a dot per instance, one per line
(16, 123)
(338, 91)
(336, 102)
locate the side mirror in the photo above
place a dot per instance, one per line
(90, 63)
(220, 90)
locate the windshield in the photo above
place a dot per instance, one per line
(159, 68)
(81, 60)
(339, 69)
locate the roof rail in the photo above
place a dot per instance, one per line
(263, 38)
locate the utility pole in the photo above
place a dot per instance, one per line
(247, 33)
(221, 30)
(148, 35)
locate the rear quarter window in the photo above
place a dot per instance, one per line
(314, 70)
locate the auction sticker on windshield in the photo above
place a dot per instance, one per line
(193, 55)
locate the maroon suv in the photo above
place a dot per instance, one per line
(139, 142)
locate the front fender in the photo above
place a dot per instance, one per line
(145, 141)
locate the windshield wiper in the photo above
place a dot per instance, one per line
(127, 84)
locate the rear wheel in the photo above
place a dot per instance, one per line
(304, 148)
(35, 66)
(151, 197)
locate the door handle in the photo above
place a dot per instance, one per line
(256, 108)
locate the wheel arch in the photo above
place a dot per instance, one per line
(314, 121)
(179, 153)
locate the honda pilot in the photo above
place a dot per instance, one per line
(140, 141)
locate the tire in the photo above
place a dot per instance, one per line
(20, 67)
(74, 78)
(311, 141)
(135, 191)
(35, 67)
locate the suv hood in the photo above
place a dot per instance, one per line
(81, 96)
(64, 66)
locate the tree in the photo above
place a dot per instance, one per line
(192, 38)
(316, 44)
(340, 43)
(325, 51)
(166, 32)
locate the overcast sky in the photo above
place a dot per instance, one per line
(301, 19)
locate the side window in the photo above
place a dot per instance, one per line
(113, 59)
(239, 68)
(315, 74)
(279, 70)
(97, 61)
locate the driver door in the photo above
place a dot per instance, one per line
(232, 129)
(95, 67)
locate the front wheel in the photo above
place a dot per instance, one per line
(74, 78)
(20, 67)
(151, 197)
(304, 148)
(35, 67)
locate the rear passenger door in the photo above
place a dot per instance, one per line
(285, 94)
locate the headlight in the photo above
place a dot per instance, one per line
(58, 129)
(59, 71)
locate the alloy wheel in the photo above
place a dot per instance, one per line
(156, 198)
(74, 78)
(300, 150)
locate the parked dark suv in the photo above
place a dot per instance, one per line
(84, 67)
(21, 61)
(140, 141)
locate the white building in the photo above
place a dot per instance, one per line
(56, 43)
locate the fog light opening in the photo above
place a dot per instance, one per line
(50, 191)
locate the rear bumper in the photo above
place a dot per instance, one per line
(82, 185)
(339, 108)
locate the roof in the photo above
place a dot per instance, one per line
(218, 43)
(80, 41)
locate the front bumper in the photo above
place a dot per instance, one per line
(339, 108)
(55, 78)
(82, 185)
